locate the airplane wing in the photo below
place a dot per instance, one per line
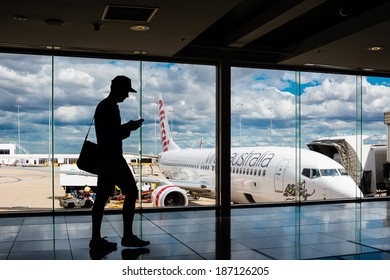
(137, 155)
(199, 187)
(78, 173)
(166, 193)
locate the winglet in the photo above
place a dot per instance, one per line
(165, 132)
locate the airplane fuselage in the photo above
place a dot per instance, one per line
(265, 174)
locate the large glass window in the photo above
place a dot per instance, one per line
(263, 135)
(79, 85)
(49, 104)
(375, 99)
(329, 118)
(179, 106)
(182, 120)
(296, 136)
(25, 92)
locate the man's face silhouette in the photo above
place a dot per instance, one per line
(122, 94)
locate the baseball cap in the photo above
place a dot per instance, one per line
(122, 81)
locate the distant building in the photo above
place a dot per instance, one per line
(7, 149)
(9, 156)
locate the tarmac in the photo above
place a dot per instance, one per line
(30, 189)
(24, 189)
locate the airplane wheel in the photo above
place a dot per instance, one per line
(88, 204)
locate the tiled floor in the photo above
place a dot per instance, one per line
(324, 231)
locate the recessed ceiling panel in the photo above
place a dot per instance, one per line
(128, 13)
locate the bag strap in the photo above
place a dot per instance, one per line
(86, 136)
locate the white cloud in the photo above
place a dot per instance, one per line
(328, 101)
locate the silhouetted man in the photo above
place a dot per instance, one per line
(113, 168)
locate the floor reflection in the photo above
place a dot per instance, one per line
(323, 231)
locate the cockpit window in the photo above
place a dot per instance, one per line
(343, 172)
(311, 173)
(316, 173)
(306, 172)
(329, 172)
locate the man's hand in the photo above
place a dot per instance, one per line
(134, 125)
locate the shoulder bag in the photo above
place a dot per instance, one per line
(88, 158)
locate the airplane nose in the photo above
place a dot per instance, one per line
(349, 189)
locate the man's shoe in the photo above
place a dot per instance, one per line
(102, 243)
(134, 241)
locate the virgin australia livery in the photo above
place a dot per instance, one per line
(258, 174)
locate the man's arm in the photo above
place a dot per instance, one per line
(126, 128)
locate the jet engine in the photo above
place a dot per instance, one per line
(169, 196)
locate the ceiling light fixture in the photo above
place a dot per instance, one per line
(19, 18)
(327, 66)
(376, 48)
(139, 28)
(139, 52)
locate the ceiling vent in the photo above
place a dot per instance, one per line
(128, 13)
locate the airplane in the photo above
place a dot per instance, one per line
(258, 174)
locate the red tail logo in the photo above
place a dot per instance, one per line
(164, 140)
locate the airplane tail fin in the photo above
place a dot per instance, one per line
(165, 132)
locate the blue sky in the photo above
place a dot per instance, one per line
(260, 99)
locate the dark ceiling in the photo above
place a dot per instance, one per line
(323, 34)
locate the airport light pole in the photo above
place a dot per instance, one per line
(386, 165)
(18, 106)
(270, 119)
(155, 128)
(387, 122)
(239, 116)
